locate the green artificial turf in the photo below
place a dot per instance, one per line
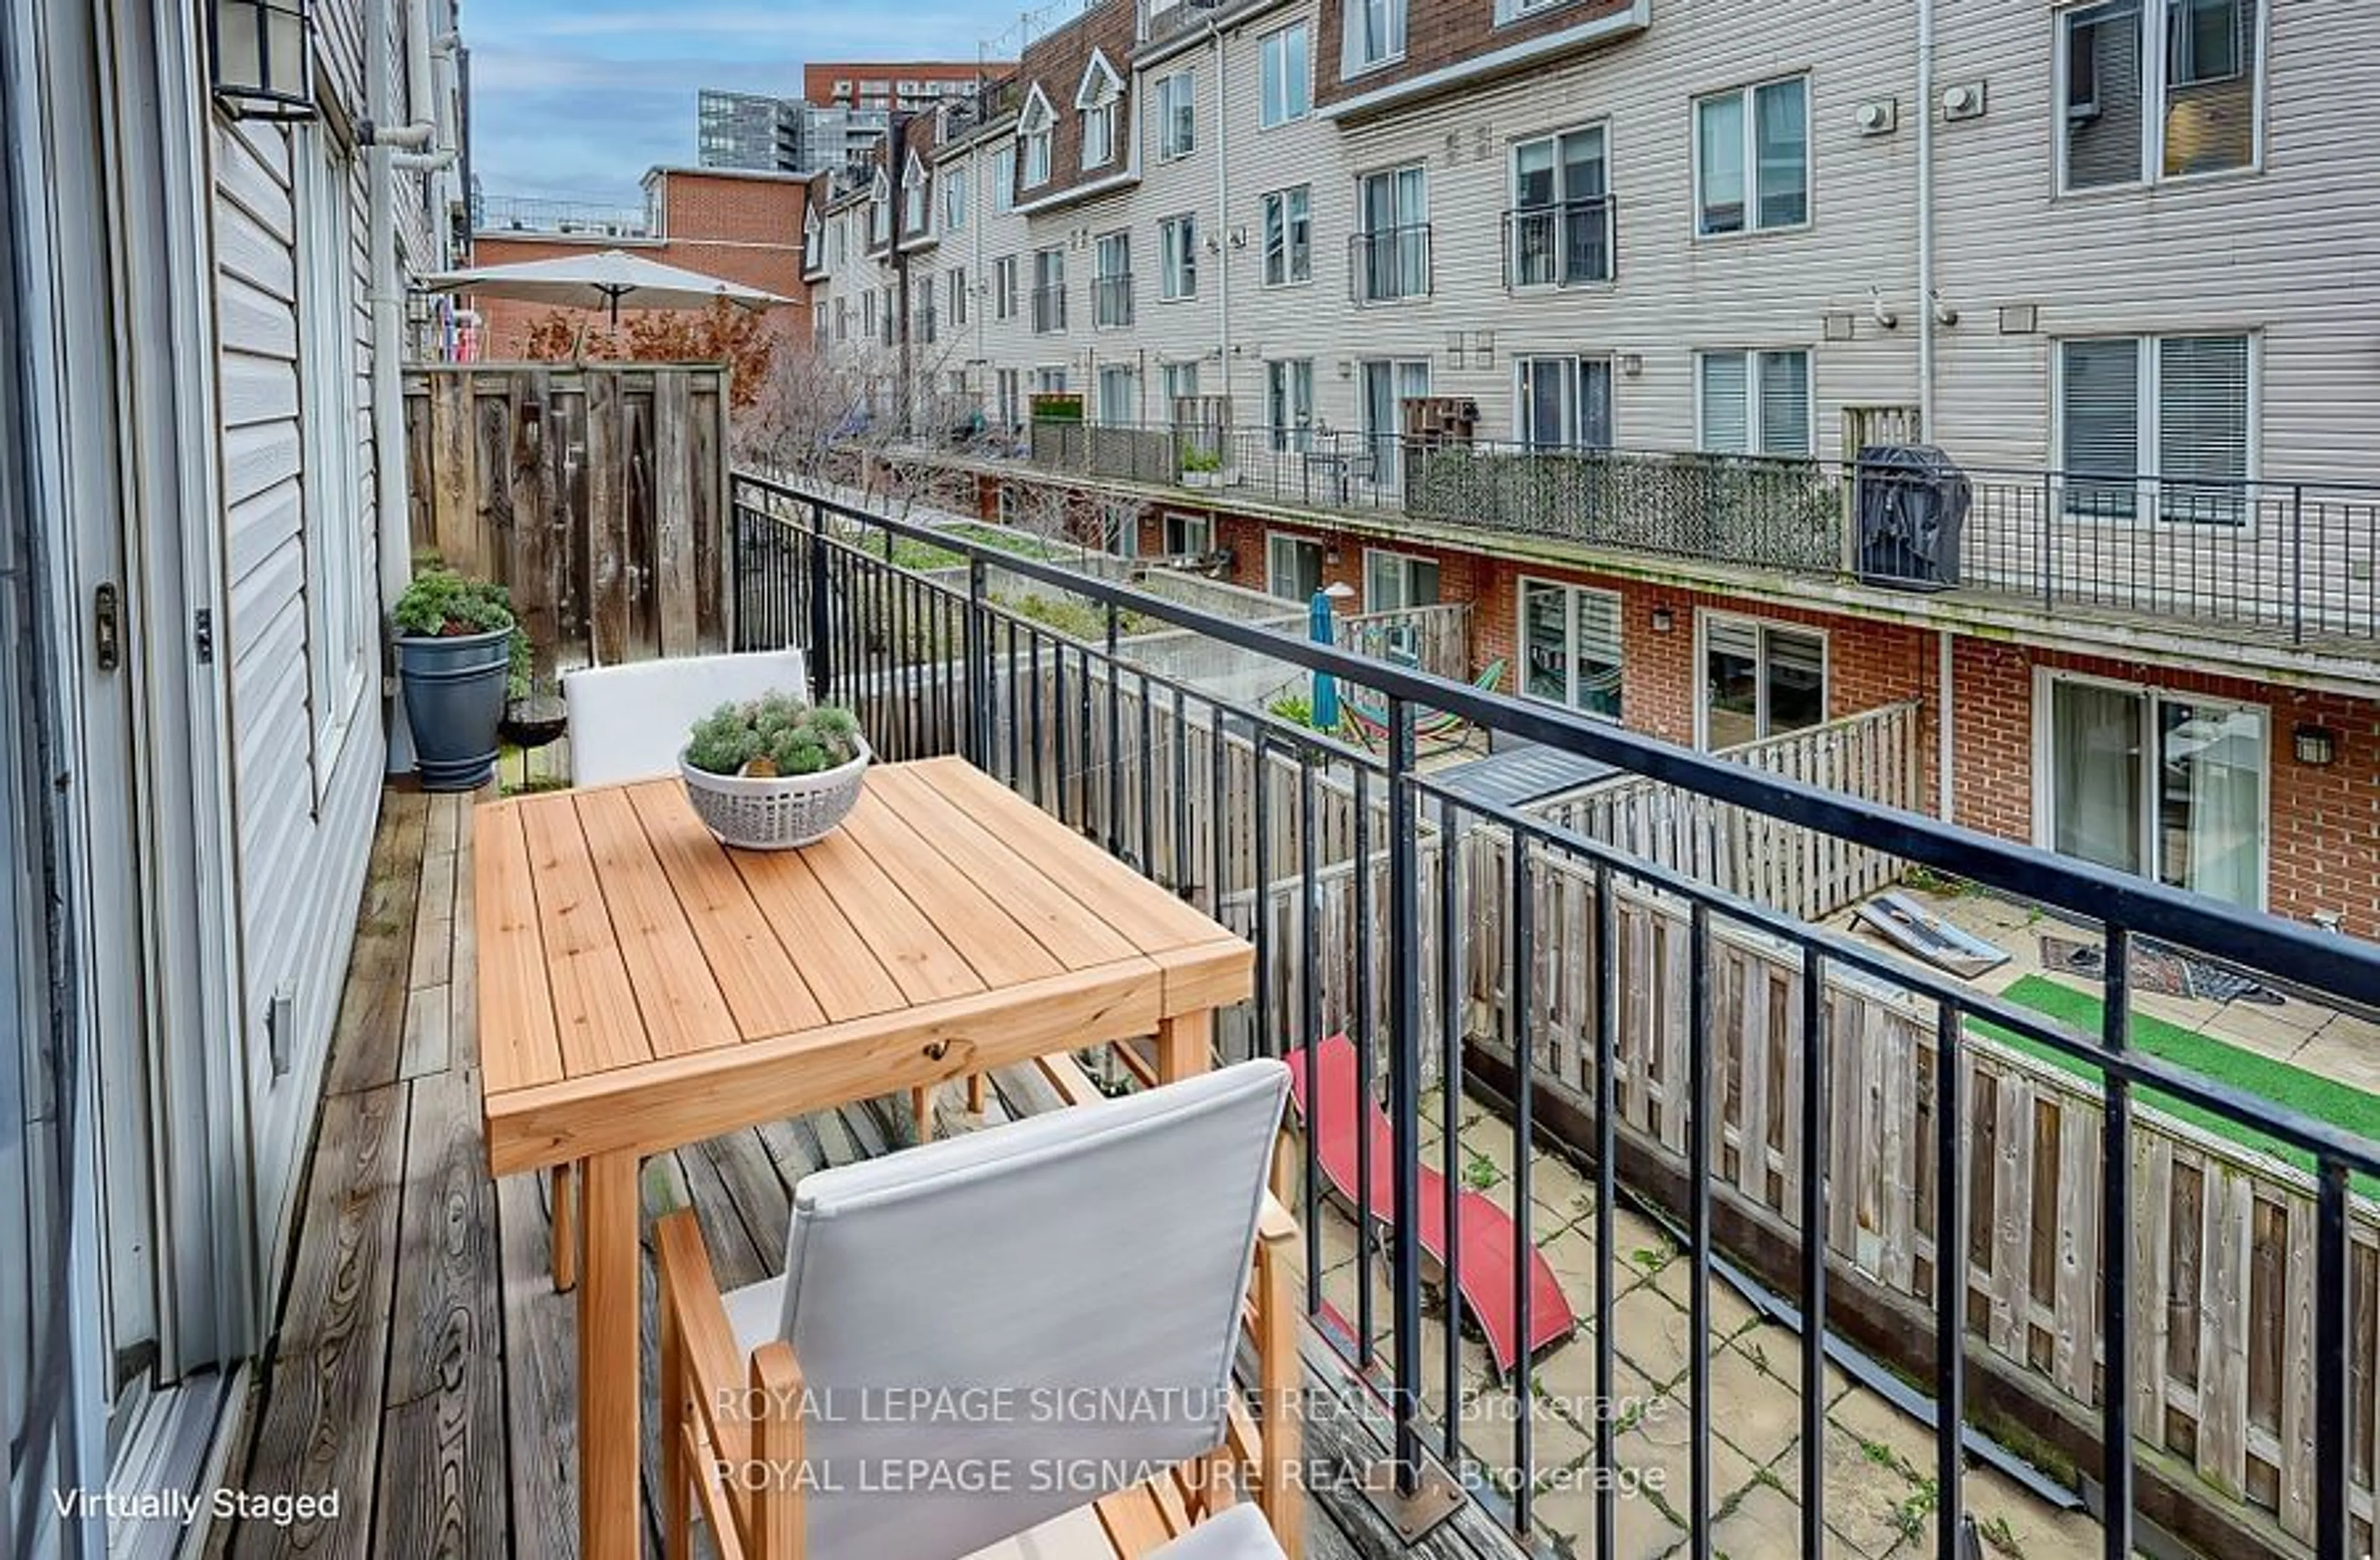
(2337, 1103)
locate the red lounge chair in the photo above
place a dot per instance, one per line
(1488, 1232)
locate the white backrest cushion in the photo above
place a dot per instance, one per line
(1002, 1326)
(629, 721)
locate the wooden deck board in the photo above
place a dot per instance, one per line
(424, 1364)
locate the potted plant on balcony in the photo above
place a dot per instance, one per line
(461, 655)
(1201, 467)
(773, 773)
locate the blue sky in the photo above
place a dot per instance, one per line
(574, 99)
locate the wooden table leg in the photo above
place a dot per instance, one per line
(611, 1520)
(1185, 1044)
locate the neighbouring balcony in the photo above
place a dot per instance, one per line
(1568, 244)
(1774, 1201)
(2280, 561)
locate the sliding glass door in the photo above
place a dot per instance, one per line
(2162, 787)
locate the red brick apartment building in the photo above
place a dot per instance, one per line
(740, 226)
(894, 84)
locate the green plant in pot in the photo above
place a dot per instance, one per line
(773, 773)
(461, 655)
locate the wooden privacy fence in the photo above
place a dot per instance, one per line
(1803, 872)
(597, 493)
(1437, 638)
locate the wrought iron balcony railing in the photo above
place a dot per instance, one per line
(1568, 245)
(1389, 264)
(1799, 1106)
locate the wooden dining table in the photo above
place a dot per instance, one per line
(643, 987)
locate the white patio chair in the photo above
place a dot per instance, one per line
(628, 722)
(1103, 1246)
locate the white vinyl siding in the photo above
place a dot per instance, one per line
(2175, 411)
(1752, 158)
(1754, 403)
(1571, 646)
(340, 599)
(1287, 79)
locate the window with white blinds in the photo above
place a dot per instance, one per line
(1569, 646)
(2169, 415)
(1754, 403)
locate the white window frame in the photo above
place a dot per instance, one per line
(1297, 260)
(954, 198)
(1003, 178)
(1297, 94)
(1706, 616)
(1184, 524)
(1563, 199)
(1404, 563)
(1004, 287)
(1104, 296)
(2045, 800)
(2147, 425)
(1752, 399)
(1748, 95)
(1570, 592)
(1097, 100)
(2155, 23)
(957, 285)
(880, 209)
(1036, 131)
(1177, 258)
(1293, 539)
(1283, 376)
(1355, 27)
(915, 185)
(1177, 122)
(341, 593)
(1572, 364)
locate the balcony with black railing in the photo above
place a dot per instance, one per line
(1859, 1255)
(2296, 562)
(1111, 300)
(1389, 264)
(1568, 245)
(1048, 308)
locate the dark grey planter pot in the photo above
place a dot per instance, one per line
(453, 702)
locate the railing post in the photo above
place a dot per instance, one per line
(1405, 1087)
(2297, 564)
(978, 669)
(821, 660)
(2048, 540)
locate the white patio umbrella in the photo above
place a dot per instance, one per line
(599, 281)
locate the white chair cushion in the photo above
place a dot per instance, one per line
(629, 721)
(1053, 1305)
(1239, 1533)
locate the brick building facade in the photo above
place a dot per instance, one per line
(739, 226)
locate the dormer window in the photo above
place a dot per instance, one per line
(1098, 98)
(1035, 126)
(913, 195)
(880, 209)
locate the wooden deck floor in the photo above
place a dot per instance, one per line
(423, 1366)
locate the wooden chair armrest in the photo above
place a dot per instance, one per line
(1275, 1223)
(710, 1369)
(1280, 1377)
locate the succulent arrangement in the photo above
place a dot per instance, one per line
(774, 734)
(440, 604)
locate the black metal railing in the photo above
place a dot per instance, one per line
(1388, 263)
(1566, 244)
(1111, 300)
(1048, 308)
(2294, 559)
(1336, 859)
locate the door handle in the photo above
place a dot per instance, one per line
(108, 627)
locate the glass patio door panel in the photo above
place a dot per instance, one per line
(1730, 684)
(2211, 799)
(2097, 738)
(1545, 642)
(1292, 567)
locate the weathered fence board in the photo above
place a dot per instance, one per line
(596, 493)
